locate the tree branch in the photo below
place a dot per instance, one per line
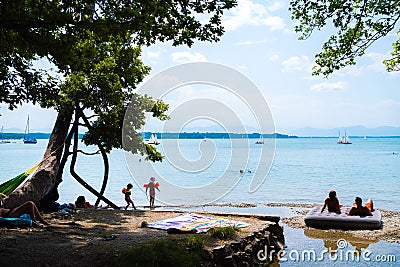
(103, 153)
(73, 161)
(87, 153)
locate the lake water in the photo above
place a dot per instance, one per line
(303, 171)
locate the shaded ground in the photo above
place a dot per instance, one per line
(87, 237)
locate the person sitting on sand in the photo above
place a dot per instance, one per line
(360, 209)
(128, 194)
(332, 202)
(81, 203)
(28, 207)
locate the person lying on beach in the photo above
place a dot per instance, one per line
(332, 202)
(360, 209)
(28, 207)
(81, 203)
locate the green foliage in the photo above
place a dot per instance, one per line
(94, 47)
(164, 252)
(223, 232)
(359, 23)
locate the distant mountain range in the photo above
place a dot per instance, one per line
(351, 131)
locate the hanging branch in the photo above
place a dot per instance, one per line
(87, 153)
(73, 161)
(64, 159)
(103, 154)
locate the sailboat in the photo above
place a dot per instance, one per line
(345, 141)
(261, 140)
(27, 138)
(153, 140)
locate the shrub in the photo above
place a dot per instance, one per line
(164, 252)
(224, 232)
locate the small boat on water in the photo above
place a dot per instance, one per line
(153, 140)
(345, 140)
(27, 138)
(260, 141)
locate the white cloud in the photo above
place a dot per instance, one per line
(151, 54)
(297, 63)
(376, 64)
(351, 70)
(275, 23)
(252, 42)
(248, 12)
(275, 6)
(274, 57)
(328, 87)
(186, 57)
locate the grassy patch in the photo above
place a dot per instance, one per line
(163, 252)
(224, 232)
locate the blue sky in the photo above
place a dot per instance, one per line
(261, 44)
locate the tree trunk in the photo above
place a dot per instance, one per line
(73, 161)
(45, 179)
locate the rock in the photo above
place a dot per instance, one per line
(219, 254)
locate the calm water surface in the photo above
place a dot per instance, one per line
(303, 171)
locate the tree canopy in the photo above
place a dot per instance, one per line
(31, 29)
(359, 23)
(94, 46)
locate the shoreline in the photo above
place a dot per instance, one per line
(84, 237)
(390, 231)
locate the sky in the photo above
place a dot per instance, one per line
(261, 44)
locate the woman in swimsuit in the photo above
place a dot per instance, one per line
(28, 207)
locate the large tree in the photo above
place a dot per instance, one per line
(93, 46)
(358, 24)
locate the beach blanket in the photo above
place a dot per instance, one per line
(191, 222)
(23, 221)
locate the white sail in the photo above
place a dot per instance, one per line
(346, 139)
(340, 140)
(153, 140)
